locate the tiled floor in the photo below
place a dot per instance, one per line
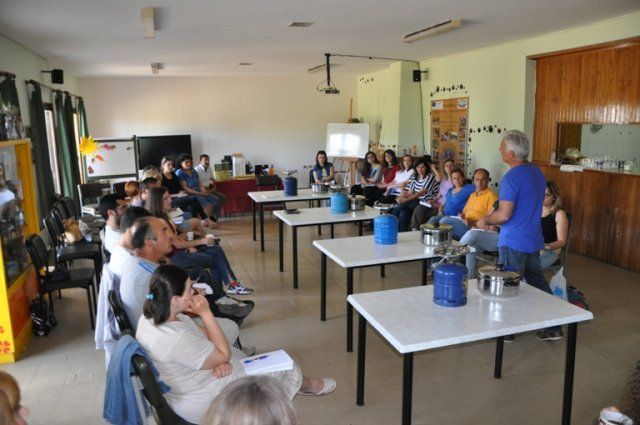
(62, 376)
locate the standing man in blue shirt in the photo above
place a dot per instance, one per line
(519, 212)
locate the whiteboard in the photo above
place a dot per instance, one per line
(348, 140)
(118, 159)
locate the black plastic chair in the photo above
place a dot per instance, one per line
(270, 183)
(60, 210)
(90, 192)
(162, 412)
(70, 206)
(118, 189)
(80, 250)
(54, 279)
(120, 314)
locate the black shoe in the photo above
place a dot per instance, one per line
(509, 338)
(545, 335)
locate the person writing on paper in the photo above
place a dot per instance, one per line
(197, 362)
(456, 198)
(205, 174)
(555, 226)
(421, 188)
(478, 205)
(323, 171)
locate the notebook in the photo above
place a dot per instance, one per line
(274, 361)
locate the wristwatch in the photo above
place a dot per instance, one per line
(547, 247)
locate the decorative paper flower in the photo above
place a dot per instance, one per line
(88, 146)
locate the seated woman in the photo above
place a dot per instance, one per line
(423, 186)
(196, 253)
(190, 183)
(389, 169)
(370, 176)
(555, 226)
(255, 400)
(455, 198)
(158, 203)
(425, 208)
(400, 180)
(323, 171)
(197, 363)
(132, 189)
(445, 180)
(179, 198)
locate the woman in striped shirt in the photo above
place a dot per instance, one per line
(423, 188)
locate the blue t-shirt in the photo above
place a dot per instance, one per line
(455, 202)
(193, 181)
(524, 185)
(322, 172)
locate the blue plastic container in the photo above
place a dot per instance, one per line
(450, 285)
(290, 186)
(339, 203)
(385, 229)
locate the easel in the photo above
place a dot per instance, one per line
(349, 173)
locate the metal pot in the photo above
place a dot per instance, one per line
(435, 234)
(319, 187)
(356, 202)
(496, 282)
(338, 188)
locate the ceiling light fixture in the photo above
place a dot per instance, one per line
(327, 86)
(300, 24)
(245, 63)
(156, 67)
(433, 30)
(148, 22)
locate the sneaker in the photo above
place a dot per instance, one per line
(509, 338)
(237, 288)
(231, 307)
(545, 335)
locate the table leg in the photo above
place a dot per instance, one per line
(407, 388)
(360, 227)
(425, 266)
(294, 233)
(319, 230)
(362, 335)
(382, 271)
(331, 230)
(323, 286)
(261, 227)
(497, 370)
(349, 310)
(281, 244)
(568, 373)
(253, 211)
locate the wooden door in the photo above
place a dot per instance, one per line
(625, 221)
(594, 216)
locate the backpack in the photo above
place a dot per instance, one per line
(42, 317)
(577, 298)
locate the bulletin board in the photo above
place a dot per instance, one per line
(449, 124)
(114, 158)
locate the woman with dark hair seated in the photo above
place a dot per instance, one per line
(402, 177)
(197, 253)
(323, 171)
(196, 362)
(179, 198)
(422, 187)
(190, 183)
(370, 176)
(555, 226)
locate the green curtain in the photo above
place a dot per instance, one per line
(8, 94)
(44, 176)
(83, 128)
(67, 156)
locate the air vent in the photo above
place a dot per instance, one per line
(300, 24)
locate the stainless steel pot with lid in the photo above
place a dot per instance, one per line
(435, 234)
(356, 202)
(319, 187)
(496, 282)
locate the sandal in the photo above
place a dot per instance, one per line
(329, 385)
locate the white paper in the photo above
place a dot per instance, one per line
(201, 285)
(274, 361)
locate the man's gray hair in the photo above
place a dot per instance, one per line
(518, 143)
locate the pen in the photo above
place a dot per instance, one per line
(264, 356)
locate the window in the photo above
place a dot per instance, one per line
(51, 144)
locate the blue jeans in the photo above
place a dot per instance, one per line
(206, 259)
(481, 241)
(435, 219)
(210, 200)
(547, 258)
(404, 213)
(528, 264)
(459, 228)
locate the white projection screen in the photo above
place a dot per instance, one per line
(347, 140)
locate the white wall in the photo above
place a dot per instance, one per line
(270, 119)
(620, 141)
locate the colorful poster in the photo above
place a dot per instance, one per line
(449, 123)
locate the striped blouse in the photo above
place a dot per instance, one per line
(429, 183)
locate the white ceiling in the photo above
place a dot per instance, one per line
(210, 37)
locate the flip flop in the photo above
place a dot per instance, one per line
(329, 385)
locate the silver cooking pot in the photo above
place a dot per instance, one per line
(319, 187)
(356, 202)
(435, 234)
(496, 282)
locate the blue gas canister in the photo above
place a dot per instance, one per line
(290, 183)
(339, 203)
(450, 285)
(385, 226)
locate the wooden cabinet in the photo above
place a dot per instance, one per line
(606, 214)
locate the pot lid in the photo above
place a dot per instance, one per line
(437, 226)
(450, 251)
(358, 197)
(498, 271)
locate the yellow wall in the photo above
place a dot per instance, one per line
(500, 82)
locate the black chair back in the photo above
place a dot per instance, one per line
(119, 313)
(38, 252)
(118, 189)
(91, 190)
(70, 206)
(268, 182)
(163, 413)
(55, 228)
(60, 211)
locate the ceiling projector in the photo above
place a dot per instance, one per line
(330, 90)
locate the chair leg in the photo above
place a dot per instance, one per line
(95, 299)
(90, 304)
(59, 294)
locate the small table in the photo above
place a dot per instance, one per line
(313, 217)
(410, 321)
(277, 196)
(358, 252)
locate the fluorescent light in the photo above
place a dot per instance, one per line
(300, 24)
(433, 30)
(245, 63)
(148, 22)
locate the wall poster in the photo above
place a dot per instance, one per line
(449, 123)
